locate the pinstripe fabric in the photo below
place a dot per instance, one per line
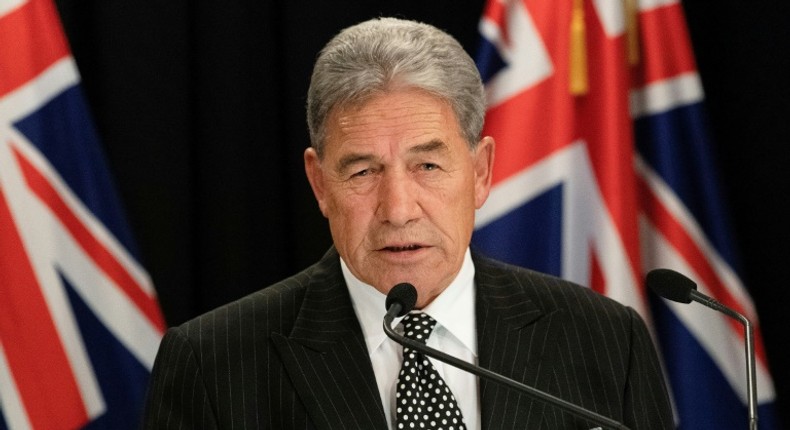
(567, 341)
(292, 356)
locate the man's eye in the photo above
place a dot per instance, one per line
(429, 166)
(361, 173)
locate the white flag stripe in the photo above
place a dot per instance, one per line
(524, 52)
(22, 101)
(10, 400)
(7, 6)
(587, 226)
(648, 5)
(611, 15)
(712, 329)
(672, 203)
(662, 96)
(521, 188)
(33, 226)
(105, 299)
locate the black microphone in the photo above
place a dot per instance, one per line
(401, 300)
(677, 287)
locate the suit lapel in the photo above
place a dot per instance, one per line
(326, 357)
(515, 340)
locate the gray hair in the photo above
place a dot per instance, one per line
(387, 54)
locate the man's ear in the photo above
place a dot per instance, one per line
(315, 175)
(484, 167)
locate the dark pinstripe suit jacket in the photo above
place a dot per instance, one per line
(292, 356)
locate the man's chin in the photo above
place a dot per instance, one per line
(385, 284)
(419, 269)
(426, 286)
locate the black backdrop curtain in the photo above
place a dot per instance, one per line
(201, 108)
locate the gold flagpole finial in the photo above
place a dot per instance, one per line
(631, 10)
(578, 51)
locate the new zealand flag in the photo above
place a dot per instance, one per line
(79, 319)
(603, 172)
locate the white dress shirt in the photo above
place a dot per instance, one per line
(455, 334)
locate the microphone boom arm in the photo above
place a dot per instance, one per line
(395, 309)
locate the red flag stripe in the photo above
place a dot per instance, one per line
(548, 116)
(527, 110)
(26, 51)
(677, 235)
(609, 132)
(496, 12)
(97, 251)
(535, 138)
(663, 32)
(31, 342)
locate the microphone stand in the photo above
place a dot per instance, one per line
(751, 378)
(677, 287)
(395, 309)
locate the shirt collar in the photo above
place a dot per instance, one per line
(453, 309)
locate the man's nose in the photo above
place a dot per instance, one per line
(398, 199)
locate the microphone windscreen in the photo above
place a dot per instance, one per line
(671, 285)
(405, 294)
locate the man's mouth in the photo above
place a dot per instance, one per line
(402, 248)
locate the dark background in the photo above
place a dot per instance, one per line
(200, 105)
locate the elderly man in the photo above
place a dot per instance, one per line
(398, 167)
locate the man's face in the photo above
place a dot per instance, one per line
(399, 186)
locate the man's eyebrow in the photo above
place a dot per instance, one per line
(348, 160)
(434, 145)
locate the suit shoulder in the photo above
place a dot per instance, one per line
(270, 309)
(547, 291)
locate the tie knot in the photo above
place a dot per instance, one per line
(418, 326)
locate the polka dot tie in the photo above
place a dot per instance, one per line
(423, 400)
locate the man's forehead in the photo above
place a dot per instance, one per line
(392, 103)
